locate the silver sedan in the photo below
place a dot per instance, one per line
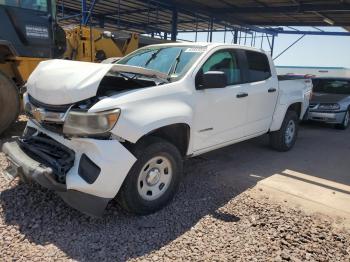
(330, 102)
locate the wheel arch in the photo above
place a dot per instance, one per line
(281, 112)
(167, 118)
(296, 107)
(177, 134)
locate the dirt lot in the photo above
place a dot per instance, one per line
(218, 214)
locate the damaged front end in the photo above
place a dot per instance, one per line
(71, 119)
(85, 172)
(50, 153)
(60, 83)
(63, 106)
(41, 159)
(72, 152)
(66, 147)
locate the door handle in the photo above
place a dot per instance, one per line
(272, 90)
(241, 95)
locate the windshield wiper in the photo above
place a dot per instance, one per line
(153, 56)
(173, 67)
(141, 53)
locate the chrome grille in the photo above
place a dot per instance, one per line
(47, 116)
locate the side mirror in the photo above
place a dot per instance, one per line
(213, 79)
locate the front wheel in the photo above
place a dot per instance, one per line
(346, 122)
(284, 139)
(154, 178)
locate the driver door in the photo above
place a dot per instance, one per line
(220, 113)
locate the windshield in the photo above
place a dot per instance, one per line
(331, 86)
(171, 60)
(39, 5)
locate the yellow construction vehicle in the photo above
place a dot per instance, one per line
(93, 45)
(29, 35)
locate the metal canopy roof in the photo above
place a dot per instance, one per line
(251, 22)
(154, 16)
(276, 12)
(136, 16)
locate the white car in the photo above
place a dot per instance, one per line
(97, 131)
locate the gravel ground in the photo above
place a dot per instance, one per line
(210, 219)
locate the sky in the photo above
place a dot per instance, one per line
(319, 51)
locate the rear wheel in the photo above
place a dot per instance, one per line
(346, 122)
(284, 139)
(9, 102)
(154, 178)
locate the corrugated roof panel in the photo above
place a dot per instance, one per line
(153, 15)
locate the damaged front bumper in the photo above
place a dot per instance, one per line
(28, 169)
(86, 173)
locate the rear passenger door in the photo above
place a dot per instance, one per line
(262, 89)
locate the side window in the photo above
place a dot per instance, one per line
(258, 66)
(224, 61)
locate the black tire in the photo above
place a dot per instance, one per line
(346, 122)
(9, 102)
(278, 140)
(129, 197)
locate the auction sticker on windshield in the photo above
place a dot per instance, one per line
(195, 50)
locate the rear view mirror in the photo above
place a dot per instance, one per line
(213, 79)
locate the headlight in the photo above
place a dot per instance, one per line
(329, 106)
(84, 123)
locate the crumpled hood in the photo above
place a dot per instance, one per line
(61, 82)
(327, 98)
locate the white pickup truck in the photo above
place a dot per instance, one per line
(99, 131)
